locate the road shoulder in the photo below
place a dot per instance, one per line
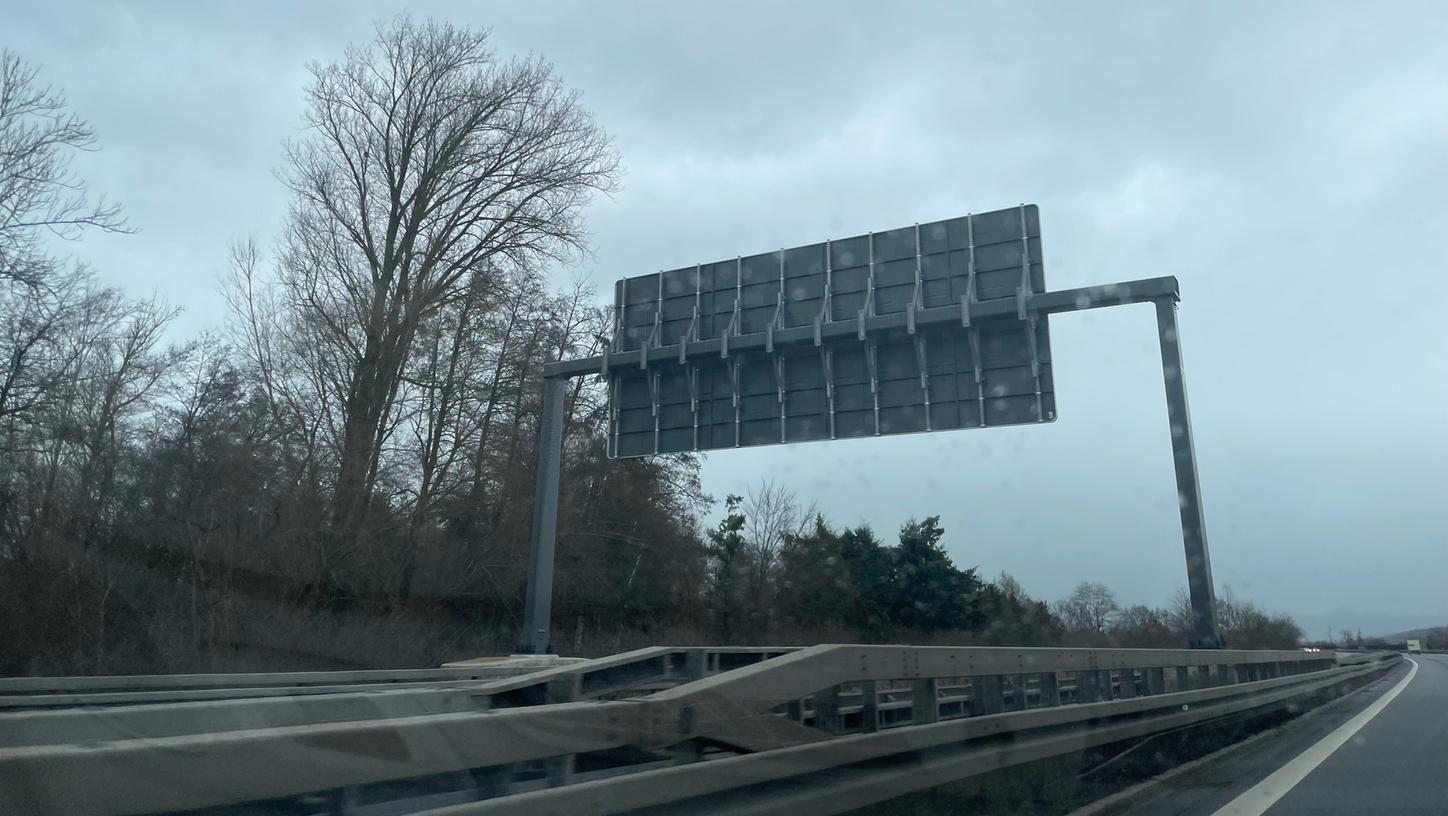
(1206, 784)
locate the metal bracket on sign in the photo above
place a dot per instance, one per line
(870, 365)
(1031, 345)
(869, 307)
(825, 297)
(777, 320)
(969, 297)
(613, 415)
(921, 361)
(688, 335)
(917, 295)
(827, 366)
(728, 330)
(974, 338)
(780, 386)
(1023, 292)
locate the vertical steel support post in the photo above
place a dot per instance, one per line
(538, 608)
(1189, 492)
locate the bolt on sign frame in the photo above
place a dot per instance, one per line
(933, 327)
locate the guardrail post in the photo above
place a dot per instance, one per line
(794, 710)
(827, 710)
(493, 781)
(869, 707)
(1050, 690)
(565, 688)
(345, 801)
(695, 664)
(986, 689)
(1128, 683)
(925, 701)
(688, 751)
(1155, 680)
(1183, 678)
(1204, 677)
(1018, 692)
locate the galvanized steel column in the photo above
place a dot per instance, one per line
(538, 608)
(1189, 492)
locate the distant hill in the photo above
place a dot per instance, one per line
(1436, 634)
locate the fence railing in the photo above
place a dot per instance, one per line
(662, 726)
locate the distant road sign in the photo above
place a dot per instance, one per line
(807, 380)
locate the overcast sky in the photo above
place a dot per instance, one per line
(1288, 162)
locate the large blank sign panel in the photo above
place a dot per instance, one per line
(811, 379)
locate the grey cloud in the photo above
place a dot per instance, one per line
(1284, 160)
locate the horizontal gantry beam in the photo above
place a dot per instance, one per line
(964, 313)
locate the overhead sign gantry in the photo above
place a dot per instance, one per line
(933, 327)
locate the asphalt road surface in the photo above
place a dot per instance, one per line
(1380, 750)
(1397, 762)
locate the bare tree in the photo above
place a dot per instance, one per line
(39, 193)
(431, 165)
(1010, 587)
(1091, 607)
(1178, 614)
(772, 516)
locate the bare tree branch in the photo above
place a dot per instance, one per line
(40, 195)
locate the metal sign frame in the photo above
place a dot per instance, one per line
(810, 382)
(1163, 292)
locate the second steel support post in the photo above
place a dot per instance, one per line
(1189, 491)
(538, 607)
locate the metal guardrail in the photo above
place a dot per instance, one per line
(690, 729)
(57, 692)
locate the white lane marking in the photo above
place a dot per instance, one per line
(1255, 800)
